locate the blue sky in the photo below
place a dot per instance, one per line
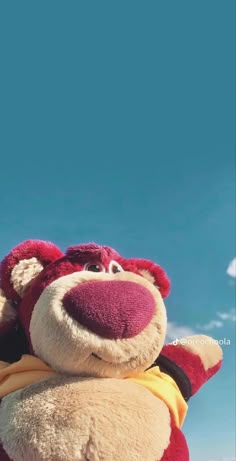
(117, 126)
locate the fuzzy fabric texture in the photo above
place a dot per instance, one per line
(95, 318)
(198, 352)
(177, 449)
(149, 270)
(164, 387)
(69, 347)
(85, 420)
(44, 252)
(26, 371)
(93, 253)
(111, 309)
(23, 273)
(30, 369)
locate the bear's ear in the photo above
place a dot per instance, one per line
(22, 265)
(150, 271)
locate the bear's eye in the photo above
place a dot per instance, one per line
(94, 267)
(114, 267)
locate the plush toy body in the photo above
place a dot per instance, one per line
(84, 373)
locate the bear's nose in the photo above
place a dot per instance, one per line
(111, 309)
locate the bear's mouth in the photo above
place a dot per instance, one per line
(114, 363)
(110, 362)
(96, 356)
(101, 359)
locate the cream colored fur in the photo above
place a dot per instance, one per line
(23, 273)
(208, 350)
(67, 346)
(147, 275)
(7, 313)
(74, 419)
(99, 418)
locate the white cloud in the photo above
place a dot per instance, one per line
(230, 315)
(228, 459)
(220, 322)
(175, 331)
(211, 325)
(231, 269)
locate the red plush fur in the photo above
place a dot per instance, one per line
(45, 252)
(57, 265)
(59, 268)
(91, 252)
(177, 449)
(189, 363)
(160, 277)
(15, 342)
(112, 309)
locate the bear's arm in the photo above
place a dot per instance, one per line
(191, 361)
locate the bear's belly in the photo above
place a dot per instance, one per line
(84, 419)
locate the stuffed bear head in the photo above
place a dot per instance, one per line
(88, 312)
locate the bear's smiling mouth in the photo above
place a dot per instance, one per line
(101, 359)
(96, 356)
(116, 364)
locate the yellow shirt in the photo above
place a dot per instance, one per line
(166, 389)
(27, 370)
(30, 369)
